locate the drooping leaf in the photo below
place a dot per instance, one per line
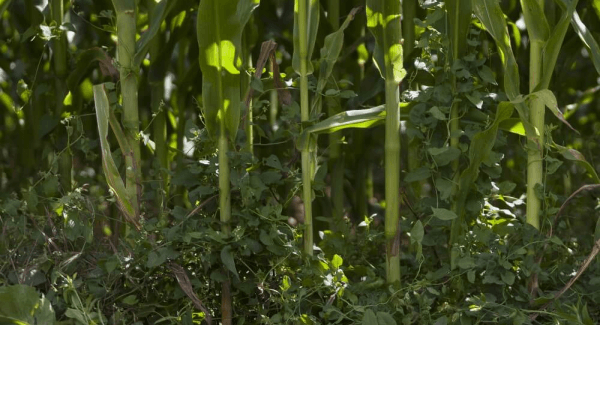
(111, 172)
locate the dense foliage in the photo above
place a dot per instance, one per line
(299, 162)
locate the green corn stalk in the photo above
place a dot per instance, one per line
(220, 25)
(157, 94)
(383, 19)
(409, 13)
(126, 30)
(335, 147)
(329, 56)
(60, 69)
(130, 54)
(306, 23)
(545, 44)
(459, 18)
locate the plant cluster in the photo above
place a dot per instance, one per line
(299, 162)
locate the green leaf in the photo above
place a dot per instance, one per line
(111, 172)
(21, 305)
(369, 318)
(219, 31)
(329, 54)
(384, 318)
(383, 20)
(459, 18)
(588, 40)
(443, 214)
(337, 261)
(574, 155)
(159, 13)
(227, 259)
(535, 20)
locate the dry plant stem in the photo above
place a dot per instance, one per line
(553, 228)
(580, 271)
(184, 283)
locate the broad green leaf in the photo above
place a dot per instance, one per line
(387, 31)
(513, 125)
(227, 259)
(443, 214)
(367, 118)
(219, 31)
(479, 150)
(309, 34)
(350, 119)
(369, 318)
(109, 167)
(384, 318)
(21, 305)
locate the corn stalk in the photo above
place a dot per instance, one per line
(383, 19)
(130, 54)
(459, 19)
(306, 23)
(60, 70)
(335, 148)
(157, 94)
(219, 29)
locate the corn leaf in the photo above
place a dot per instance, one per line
(220, 26)
(535, 19)
(588, 40)
(159, 14)
(111, 172)
(85, 61)
(362, 119)
(480, 147)
(554, 43)
(311, 35)
(329, 54)
(491, 16)
(387, 50)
